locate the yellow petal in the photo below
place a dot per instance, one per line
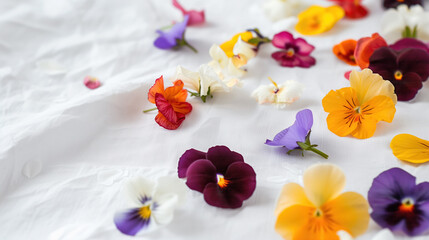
(410, 148)
(291, 194)
(317, 19)
(291, 220)
(228, 46)
(323, 182)
(368, 85)
(336, 11)
(350, 212)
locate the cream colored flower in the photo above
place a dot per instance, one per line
(280, 95)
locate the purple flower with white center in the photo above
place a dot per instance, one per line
(220, 174)
(295, 53)
(173, 38)
(398, 203)
(297, 136)
(152, 204)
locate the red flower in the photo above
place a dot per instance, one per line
(365, 48)
(352, 8)
(171, 103)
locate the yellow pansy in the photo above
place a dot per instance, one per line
(317, 19)
(410, 148)
(355, 110)
(319, 210)
(228, 46)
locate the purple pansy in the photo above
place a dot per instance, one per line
(405, 69)
(297, 136)
(175, 37)
(220, 174)
(398, 203)
(395, 3)
(295, 53)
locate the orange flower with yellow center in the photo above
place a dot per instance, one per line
(357, 109)
(319, 210)
(345, 51)
(317, 19)
(410, 148)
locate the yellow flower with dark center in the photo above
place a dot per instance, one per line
(317, 19)
(355, 110)
(410, 148)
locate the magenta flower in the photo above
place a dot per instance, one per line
(220, 174)
(195, 17)
(174, 38)
(91, 82)
(398, 203)
(405, 69)
(296, 52)
(404, 43)
(297, 136)
(395, 3)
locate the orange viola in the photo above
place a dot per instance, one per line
(345, 51)
(170, 102)
(366, 46)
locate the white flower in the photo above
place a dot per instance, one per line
(224, 65)
(277, 10)
(280, 95)
(245, 49)
(395, 21)
(151, 204)
(384, 234)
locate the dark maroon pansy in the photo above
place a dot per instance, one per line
(220, 174)
(395, 3)
(405, 69)
(398, 203)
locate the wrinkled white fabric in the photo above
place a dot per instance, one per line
(66, 150)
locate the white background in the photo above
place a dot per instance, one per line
(65, 150)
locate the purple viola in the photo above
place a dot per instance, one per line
(220, 174)
(295, 53)
(398, 203)
(297, 136)
(405, 69)
(173, 38)
(395, 3)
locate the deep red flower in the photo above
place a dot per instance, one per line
(365, 47)
(171, 103)
(352, 8)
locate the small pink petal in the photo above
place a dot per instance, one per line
(195, 17)
(347, 75)
(91, 82)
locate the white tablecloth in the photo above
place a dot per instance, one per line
(65, 150)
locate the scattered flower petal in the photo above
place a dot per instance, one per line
(410, 148)
(280, 95)
(173, 38)
(195, 17)
(317, 19)
(91, 82)
(345, 51)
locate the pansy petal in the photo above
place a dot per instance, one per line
(404, 43)
(163, 212)
(176, 93)
(284, 60)
(166, 123)
(304, 48)
(214, 196)
(366, 129)
(277, 139)
(165, 108)
(295, 134)
(182, 107)
(304, 118)
(410, 148)
(158, 87)
(380, 108)
(415, 60)
(305, 61)
(291, 194)
(365, 47)
(407, 89)
(242, 180)
(187, 159)
(292, 219)
(323, 182)
(228, 46)
(281, 39)
(139, 191)
(164, 41)
(350, 211)
(130, 222)
(199, 174)
(222, 157)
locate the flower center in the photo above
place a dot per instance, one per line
(275, 84)
(239, 60)
(398, 75)
(315, 22)
(407, 205)
(221, 181)
(318, 213)
(290, 52)
(400, 1)
(144, 212)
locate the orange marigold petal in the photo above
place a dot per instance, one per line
(158, 87)
(407, 147)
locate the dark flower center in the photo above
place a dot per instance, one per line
(221, 181)
(407, 205)
(318, 213)
(290, 52)
(398, 75)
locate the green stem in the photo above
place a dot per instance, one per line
(149, 110)
(315, 150)
(189, 46)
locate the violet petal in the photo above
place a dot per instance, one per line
(129, 222)
(187, 159)
(199, 174)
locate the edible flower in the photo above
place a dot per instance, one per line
(406, 69)
(228, 46)
(91, 82)
(319, 210)
(396, 3)
(195, 17)
(279, 95)
(409, 43)
(405, 22)
(297, 136)
(317, 19)
(365, 47)
(345, 51)
(151, 204)
(355, 110)
(174, 38)
(410, 148)
(295, 53)
(277, 10)
(170, 102)
(398, 203)
(220, 174)
(353, 8)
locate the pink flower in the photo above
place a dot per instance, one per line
(195, 17)
(295, 53)
(91, 82)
